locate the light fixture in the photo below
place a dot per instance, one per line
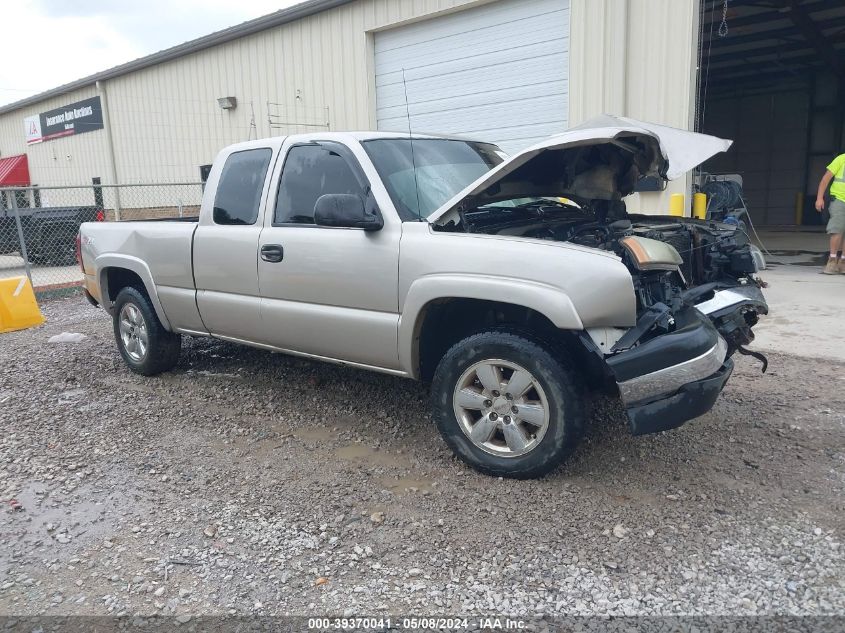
(227, 103)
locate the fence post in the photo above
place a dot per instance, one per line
(117, 203)
(21, 240)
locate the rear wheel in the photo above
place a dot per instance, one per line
(506, 405)
(63, 250)
(146, 347)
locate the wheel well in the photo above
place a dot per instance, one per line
(119, 278)
(446, 321)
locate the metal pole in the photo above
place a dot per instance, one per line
(21, 240)
(104, 97)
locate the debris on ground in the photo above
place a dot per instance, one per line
(66, 337)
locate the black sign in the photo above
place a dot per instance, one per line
(75, 118)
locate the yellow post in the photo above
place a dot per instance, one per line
(799, 208)
(18, 308)
(676, 205)
(699, 205)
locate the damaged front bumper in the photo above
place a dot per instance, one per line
(690, 401)
(674, 377)
(730, 301)
(677, 376)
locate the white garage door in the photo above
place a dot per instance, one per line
(497, 72)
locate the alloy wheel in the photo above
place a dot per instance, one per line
(133, 332)
(501, 407)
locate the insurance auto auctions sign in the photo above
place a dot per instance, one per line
(74, 118)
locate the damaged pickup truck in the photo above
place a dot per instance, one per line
(513, 286)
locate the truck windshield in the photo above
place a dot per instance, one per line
(443, 168)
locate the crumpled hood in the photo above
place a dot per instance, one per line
(600, 159)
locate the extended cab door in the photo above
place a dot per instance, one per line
(226, 245)
(328, 292)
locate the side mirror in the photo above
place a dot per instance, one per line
(347, 211)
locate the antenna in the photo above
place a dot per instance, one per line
(252, 125)
(411, 140)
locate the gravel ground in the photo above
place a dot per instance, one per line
(248, 482)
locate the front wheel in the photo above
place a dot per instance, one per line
(506, 405)
(147, 348)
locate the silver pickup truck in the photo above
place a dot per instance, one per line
(512, 285)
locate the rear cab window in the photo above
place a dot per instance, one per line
(238, 194)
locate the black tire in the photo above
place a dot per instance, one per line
(64, 254)
(561, 389)
(60, 250)
(162, 348)
(39, 259)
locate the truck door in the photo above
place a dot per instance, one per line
(326, 291)
(226, 245)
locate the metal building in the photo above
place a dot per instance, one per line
(509, 71)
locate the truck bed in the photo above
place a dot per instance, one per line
(186, 218)
(49, 232)
(164, 247)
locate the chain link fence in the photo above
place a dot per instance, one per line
(38, 225)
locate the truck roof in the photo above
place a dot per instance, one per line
(343, 137)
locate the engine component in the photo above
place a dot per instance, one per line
(723, 194)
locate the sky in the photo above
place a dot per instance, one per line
(47, 43)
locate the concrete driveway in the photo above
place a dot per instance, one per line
(807, 309)
(42, 276)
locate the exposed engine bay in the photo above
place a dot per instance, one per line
(678, 265)
(706, 258)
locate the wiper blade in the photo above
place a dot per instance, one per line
(543, 203)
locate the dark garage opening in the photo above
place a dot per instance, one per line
(772, 78)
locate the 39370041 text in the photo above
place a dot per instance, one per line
(414, 623)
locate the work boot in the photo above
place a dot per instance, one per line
(832, 267)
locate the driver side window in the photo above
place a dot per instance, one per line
(309, 172)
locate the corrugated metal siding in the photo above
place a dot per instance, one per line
(166, 122)
(635, 58)
(165, 119)
(314, 71)
(496, 72)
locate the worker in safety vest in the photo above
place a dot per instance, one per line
(836, 225)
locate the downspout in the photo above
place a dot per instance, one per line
(101, 88)
(696, 37)
(622, 8)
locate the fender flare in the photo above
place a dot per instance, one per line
(137, 266)
(549, 301)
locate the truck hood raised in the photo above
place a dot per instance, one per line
(601, 159)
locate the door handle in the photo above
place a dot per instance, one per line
(272, 253)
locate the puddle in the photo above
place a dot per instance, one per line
(793, 252)
(795, 258)
(407, 485)
(315, 434)
(45, 518)
(222, 410)
(207, 373)
(363, 453)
